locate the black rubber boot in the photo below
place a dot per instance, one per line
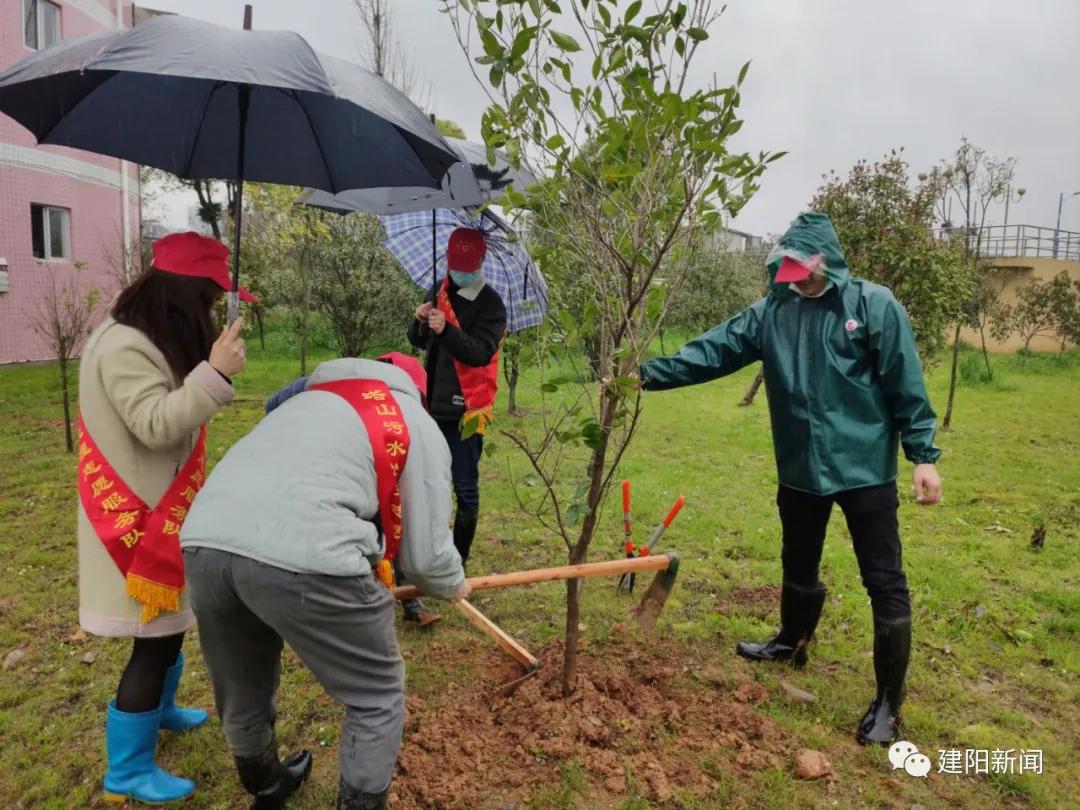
(892, 650)
(349, 798)
(800, 609)
(464, 532)
(270, 780)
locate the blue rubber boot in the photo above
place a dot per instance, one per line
(131, 742)
(174, 718)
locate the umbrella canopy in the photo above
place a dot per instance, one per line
(202, 101)
(167, 93)
(507, 267)
(471, 181)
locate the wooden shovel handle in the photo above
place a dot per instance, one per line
(608, 568)
(501, 637)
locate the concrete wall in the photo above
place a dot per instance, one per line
(1009, 276)
(89, 185)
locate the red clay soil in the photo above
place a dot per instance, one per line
(643, 720)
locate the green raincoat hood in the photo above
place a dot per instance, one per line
(810, 234)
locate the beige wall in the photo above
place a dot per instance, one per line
(1009, 276)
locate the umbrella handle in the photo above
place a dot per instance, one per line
(238, 214)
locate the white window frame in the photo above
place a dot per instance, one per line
(39, 21)
(46, 229)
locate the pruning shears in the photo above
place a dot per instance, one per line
(626, 581)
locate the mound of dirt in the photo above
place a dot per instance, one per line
(639, 722)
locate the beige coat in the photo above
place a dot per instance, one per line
(146, 427)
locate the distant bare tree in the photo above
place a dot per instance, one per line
(63, 316)
(976, 182)
(383, 55)
(123, 262)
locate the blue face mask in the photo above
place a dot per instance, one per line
(462, 279)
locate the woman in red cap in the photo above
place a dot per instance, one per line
(152, 375)
(462, 333)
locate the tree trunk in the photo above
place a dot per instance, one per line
(573, 632)
(512, 384)
(262, 331)
(580, 553)
(986, 354)
(304, 314)
(952, 378)
(67, 406)
(748, 398)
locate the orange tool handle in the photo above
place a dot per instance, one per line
(659, 531)
(656, 562)
(679, 503)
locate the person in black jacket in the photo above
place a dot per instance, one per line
(461, 334)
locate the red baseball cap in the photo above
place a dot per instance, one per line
(411, 366)
(192, 254)
(793, 270)
(466, 250)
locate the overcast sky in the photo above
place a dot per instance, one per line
(831, 81)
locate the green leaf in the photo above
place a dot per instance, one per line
(564, 42)
(743, 72)
(555, 142)
(697, 34)
(522, 42)
(530, 480)
(775, 156)
(549, 388)
(680, 46)
(469, 427)
(632, 11)
(576, 513)
(491, 45)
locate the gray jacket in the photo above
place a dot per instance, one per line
(298, 492)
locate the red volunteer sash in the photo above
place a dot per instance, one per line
(478, 383)
(389, 437)
(143, 542)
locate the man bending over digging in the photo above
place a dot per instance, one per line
(292, 539)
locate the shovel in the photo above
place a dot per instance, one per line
(666, 565)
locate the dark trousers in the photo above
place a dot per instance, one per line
(870, 513)
(464, 465)
(341, 627)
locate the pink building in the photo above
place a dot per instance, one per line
(58, 206)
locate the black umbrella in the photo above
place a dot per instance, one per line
(202, 101)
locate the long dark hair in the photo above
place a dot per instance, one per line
(174, 312)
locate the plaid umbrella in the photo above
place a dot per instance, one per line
(507, 267)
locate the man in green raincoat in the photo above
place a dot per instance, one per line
(845, 387)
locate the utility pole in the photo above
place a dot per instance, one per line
(1057, 228)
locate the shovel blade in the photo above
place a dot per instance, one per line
(652, 603)
(508, 689)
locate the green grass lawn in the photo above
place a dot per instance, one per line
(994, 664)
